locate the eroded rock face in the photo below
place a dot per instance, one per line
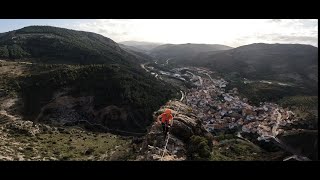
(67, 109)
(181, 130)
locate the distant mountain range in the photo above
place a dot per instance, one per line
(283, 62)
(266, 61)
(135, 89)
(142, 46)
(182, 51)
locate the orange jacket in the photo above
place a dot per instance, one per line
(166, 116)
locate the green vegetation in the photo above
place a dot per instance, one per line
(139, 93)
(4, 52)
(258, 92)
(59, 45)
(199, 148)
(224, 137)
(230, 148)
(86, 63)
(305, 107)
(303, 102)
(75, 145)
(235, 150)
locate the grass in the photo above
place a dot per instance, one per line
(235, 150)
(73, 146)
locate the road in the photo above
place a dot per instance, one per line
(143, 66)
(199, 77)
(182, 95)
(167, 62)
(159, 77)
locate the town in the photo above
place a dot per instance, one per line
(220, 110)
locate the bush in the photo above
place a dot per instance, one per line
(199, 148)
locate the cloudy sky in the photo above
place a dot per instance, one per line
(231, 32)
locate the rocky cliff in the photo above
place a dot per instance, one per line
(185, 125)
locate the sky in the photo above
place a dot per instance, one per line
(230, 32)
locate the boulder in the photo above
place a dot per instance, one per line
(181, 131)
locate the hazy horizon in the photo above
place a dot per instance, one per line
(230, 32)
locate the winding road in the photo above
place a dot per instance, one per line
(157, 76)
(182, 95)
(143, 67)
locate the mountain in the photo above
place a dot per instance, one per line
(131, 48)
(59, 45)
(273, 71)
(140, 54)
(185, 51)
(73, 77)
(275, 61)
(143, 46)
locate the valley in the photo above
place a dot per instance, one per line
(74, 95)
(223, 112)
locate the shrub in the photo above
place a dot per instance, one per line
(199, 148)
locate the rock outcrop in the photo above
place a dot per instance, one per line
(66, 109)
(24, 127)
(70, 111)
(185, 125)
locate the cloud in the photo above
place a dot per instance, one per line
(275, 20)
(232, 32)
(278, 38)
(295, 38)
(114, 29)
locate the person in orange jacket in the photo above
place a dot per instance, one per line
(165, 120)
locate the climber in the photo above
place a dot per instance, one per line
(165, 120)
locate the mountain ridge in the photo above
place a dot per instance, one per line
(45, 43)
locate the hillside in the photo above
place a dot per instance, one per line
(74, 76)
(140, 54)
(75, 95)
(267, 60)
(59, 45)
(142, 46)
(185, 51)
(289, 69)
